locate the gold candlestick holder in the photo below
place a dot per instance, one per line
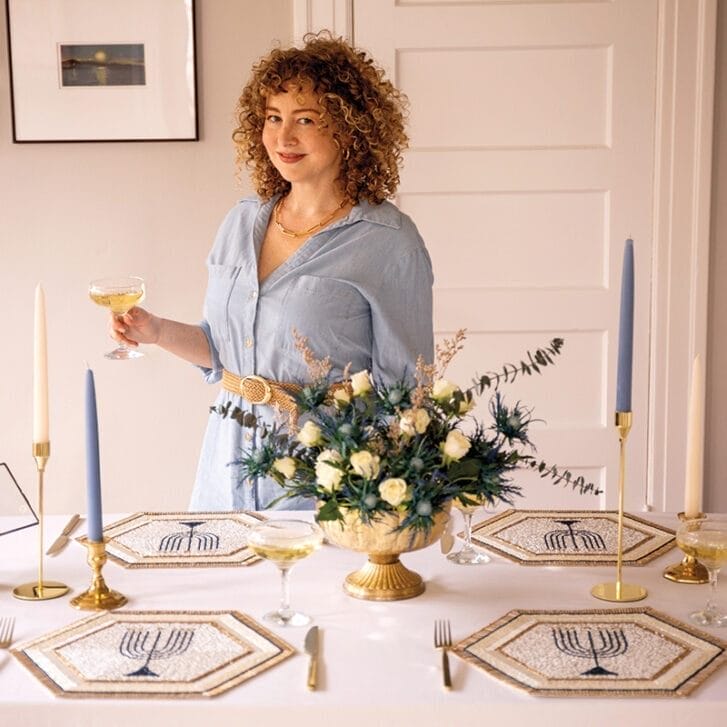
(40, 590)
(620, 591)
(99, 597)
(690, 570)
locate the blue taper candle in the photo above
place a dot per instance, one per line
(93, 469)
(626, 331)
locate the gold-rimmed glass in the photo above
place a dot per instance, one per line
(285, 542)
(119, 295)
(705, 538)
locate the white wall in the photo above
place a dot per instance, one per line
(71, 212)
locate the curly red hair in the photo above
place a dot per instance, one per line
(365, 112)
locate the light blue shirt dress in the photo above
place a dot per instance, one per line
(361, 292)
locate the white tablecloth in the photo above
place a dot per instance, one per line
(378, 663)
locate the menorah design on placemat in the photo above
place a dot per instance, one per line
(560, 539)
(182, 541)
(612, 643)
(138, 644)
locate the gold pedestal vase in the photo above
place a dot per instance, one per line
(384, 577)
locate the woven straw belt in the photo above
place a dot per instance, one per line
(258, 390)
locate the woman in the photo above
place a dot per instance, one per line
(319, 250)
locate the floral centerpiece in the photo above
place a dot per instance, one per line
(397, 455)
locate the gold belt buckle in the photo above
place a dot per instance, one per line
(267, 391)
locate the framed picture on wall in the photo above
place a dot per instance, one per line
(90, 70)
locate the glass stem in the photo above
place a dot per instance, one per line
(121, 344)
(713, 573)
(467, 515)
(284, 590)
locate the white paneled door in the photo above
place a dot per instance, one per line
(544, 133)
(531, 162)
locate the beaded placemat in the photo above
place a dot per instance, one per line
(624, 652)
(181, 539)
(571, 537)
(153, 654)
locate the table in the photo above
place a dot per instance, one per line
(378, 663)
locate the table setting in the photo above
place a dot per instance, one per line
(382, 647)
(393, 616)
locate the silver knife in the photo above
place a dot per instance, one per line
(311, 648)
(61, 541)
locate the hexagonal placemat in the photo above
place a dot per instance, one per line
(181, 539)
(571, 537)
(153, 654)
(599, 653)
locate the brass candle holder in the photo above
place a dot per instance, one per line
(690, 570)
(99, 597)
(620, 591)
(40, 590)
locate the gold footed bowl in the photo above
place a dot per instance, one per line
(384, 577)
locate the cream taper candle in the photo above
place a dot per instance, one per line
(40, 370)
(695, 440)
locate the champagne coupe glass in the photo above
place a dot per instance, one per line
(705, 538)
(285, 542)
(468, 555)
(120, 295)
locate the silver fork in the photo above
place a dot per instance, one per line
(7, 625)
(443, 641)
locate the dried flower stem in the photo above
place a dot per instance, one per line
(424, 376)
(319, 368)
(448, 349)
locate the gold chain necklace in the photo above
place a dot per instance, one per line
(303, 233)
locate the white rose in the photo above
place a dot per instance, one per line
(455, 446)
(421, 420)
(406, 423)
(310, 434)
(414, 421)
(393, 490)
(328, 476)
(442, 390)
(286, 467)
(360, 383)
(365, 464)
(341, 397)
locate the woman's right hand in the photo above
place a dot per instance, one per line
(135, 327)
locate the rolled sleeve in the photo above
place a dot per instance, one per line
(214, 374)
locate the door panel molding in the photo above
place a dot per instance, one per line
(312, 15)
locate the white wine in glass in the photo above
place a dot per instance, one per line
(285, 542)
(467, 555)
(705, 539)
(119, 295)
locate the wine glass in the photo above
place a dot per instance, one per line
(468, 555)
(705, 538)
(285, 542)
(120, 295)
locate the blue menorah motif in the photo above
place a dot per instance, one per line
(138, 645)
(562, 539)
(612, 643)
(182, 541)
